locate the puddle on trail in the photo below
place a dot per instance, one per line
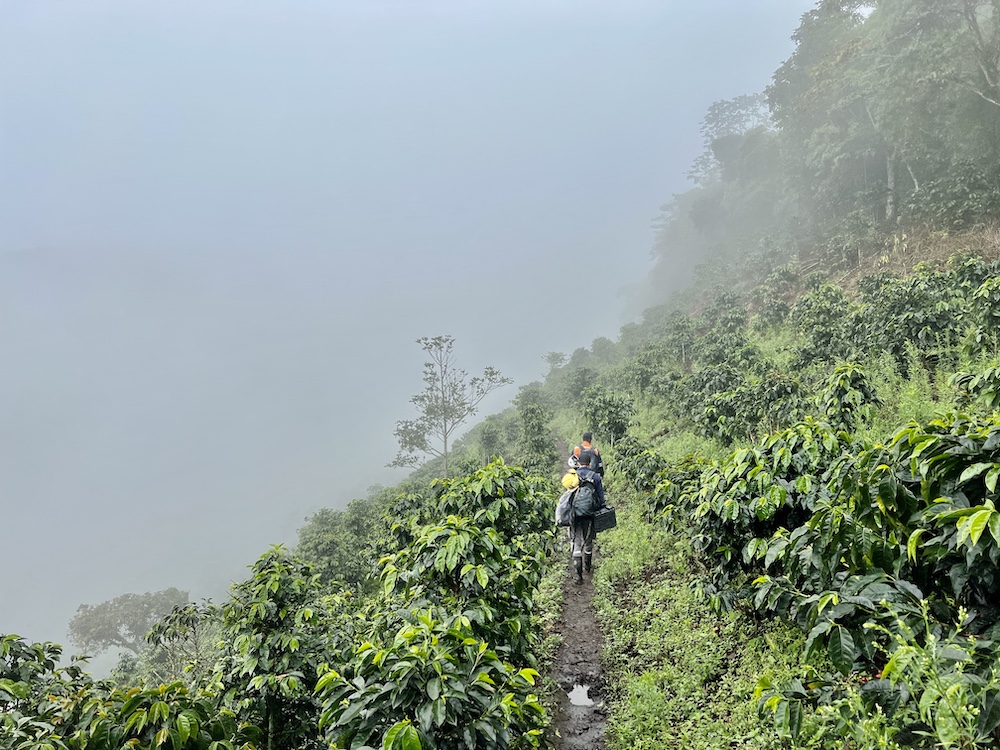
(580, 696)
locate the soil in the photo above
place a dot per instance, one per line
(577, 669)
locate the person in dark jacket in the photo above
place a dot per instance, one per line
(583, 531)
(597, 463)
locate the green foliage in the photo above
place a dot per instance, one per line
(431, 674)
(338, 543)
(931, 310)
(36, 696)
(46, 707)
(470, 570)
(641, 467)
(869, 549)
(984, 387)
(848, 397)
(277, 632)
(607, 412)
(939, 688)
(573, 383)
(167, 715)
(821, 317)
(123, 621)
(485, 559)
(681, 675)
(452, 653)
(183, 646)
(501, 497)
(751, 408)
(964, 194)
(538, 452)
(443, 656)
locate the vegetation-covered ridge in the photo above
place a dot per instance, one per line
(885, 120)
(806, 466)
(837, 474)
(442, 654)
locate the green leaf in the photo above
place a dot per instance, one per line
(389, 583)
(908, 588)
(995, 527)
(841, 650)
(401, 736)
(974, 471)
(352, 712)
(409, 739)
(989, 717)
(822, 628)
(183, 728)
(787, 717)
(991, 478)
(438, 712)
(326, 679)
(774, 551)
(978, 524)
(825, 600)
(913, 542)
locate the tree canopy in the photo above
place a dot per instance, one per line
(122, 622)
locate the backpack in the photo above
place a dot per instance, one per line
(596, 464)
(585, 498)
(564, 509)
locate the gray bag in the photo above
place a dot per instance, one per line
(564, 509)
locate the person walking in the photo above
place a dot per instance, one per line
(589, 499)
(586, 444)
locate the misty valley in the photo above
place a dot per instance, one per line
(799, 435)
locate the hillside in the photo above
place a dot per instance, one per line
(803, 444)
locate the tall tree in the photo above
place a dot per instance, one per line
(449, 398)
(554, 360)
(337, 542)
(123, 621)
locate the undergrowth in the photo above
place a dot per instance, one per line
(678, 675)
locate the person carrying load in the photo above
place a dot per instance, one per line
(597, 463)
(587, 500)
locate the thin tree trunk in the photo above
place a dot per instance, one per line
(890, 184)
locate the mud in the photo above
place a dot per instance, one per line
(580, 718)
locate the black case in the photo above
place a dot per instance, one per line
(605, 519)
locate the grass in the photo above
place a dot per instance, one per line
(903, 398)
(678, 674)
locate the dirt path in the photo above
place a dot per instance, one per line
(580, 717)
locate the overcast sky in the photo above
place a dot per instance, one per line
(224, 223)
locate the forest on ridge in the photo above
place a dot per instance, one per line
(802, 441)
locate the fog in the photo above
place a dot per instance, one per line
(224, 225)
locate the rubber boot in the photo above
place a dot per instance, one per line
(588, 562)
(578, 564)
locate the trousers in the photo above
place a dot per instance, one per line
(582, 536)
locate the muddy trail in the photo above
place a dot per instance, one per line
(580, 717)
